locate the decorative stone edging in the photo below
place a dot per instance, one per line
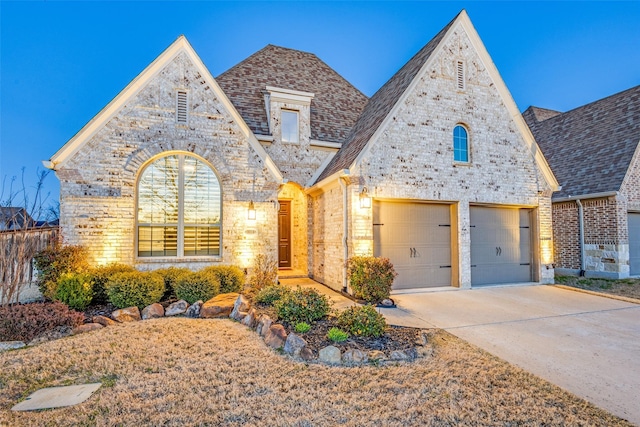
(237, 307)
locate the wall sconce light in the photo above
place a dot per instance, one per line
(252, 211)
(365, 199)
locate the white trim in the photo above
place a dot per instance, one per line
(289, 95)
(330, 181)
(464, 21)
(325, 144)
(265, 138)
(586, 196)
(138, 83)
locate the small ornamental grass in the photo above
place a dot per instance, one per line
(75, 290)
(337, 335)
(272, 293)
(196, 286)
(370, 278)
(24, 322)
(302, 305)
(362, 321)
(302, 327)
(135, 288)
(231, 277)
(101, 275)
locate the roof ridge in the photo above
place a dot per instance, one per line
(597, 101)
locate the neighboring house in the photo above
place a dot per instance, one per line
(281, 156)
(14, 218)
(594, 151)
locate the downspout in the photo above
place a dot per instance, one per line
(345, 229)
(581, 225)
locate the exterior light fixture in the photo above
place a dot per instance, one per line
(252, 211)
(365, 199)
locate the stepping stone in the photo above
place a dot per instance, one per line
(57, 397)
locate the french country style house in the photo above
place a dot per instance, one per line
(594, 151)
(281, 156)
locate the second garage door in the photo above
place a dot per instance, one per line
(416, 237)
(500, 245)
(634, 244)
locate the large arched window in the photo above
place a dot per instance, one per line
(179, 212)
(460, 144)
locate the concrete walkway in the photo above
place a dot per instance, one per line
(586, 344)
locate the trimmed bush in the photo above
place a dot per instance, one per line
(362, 321)
(101, 275)
(171, 276)
(55, 261)
(302, 305)
(272, 293)
(195, 286)
(370, 278)
(336, 335)
(265, 272)
(135, 288)
(75, 290)
(231, 277)
(24, 322)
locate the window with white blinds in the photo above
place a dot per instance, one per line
(179, 208)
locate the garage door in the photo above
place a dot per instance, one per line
(500, 245)
(634, 243)
(416, 237)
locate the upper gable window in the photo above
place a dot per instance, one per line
(460, 144)
(179, 208)
(289, 126)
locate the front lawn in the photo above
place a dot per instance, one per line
(623, 287)
(179, 371)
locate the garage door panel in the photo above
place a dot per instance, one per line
(500, 245)
(634, 243)
(416, 237)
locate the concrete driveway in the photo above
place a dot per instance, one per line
(586, 344)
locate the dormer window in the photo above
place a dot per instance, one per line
(289, 126)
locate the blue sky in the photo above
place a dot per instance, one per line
(62, 62)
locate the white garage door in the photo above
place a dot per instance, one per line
(634, 243)
(500, 245)
(416, 237)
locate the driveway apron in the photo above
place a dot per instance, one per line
(586, 344)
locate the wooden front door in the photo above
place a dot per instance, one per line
(284, 234)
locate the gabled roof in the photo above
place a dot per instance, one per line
(181, 45)
(12, 218)
(591, 147)
(379, 107)
(383, 103)
(336, 103)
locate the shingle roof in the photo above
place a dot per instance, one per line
(334, 108)
(379, 106)
(590, 148)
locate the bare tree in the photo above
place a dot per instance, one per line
(24, 231)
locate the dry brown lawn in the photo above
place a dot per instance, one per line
(629, 288)
(217, 372)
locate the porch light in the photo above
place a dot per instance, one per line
(252, 211)
(365, 199)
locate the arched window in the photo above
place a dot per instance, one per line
(460, 144)
(179, 208)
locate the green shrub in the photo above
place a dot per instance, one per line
(302, 305)
(24, 322)
(336, 335)
(171, 276)
(370, 278)
(231, 277)
(75, 290)
(302, 327)
(135, 288)
(101, 275)
(272, 293)
(55, 261)
(265, 272)
(196, 286)
(362, 321)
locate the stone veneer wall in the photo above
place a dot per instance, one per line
(326, 223)
(412, 157)
(98, 183)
